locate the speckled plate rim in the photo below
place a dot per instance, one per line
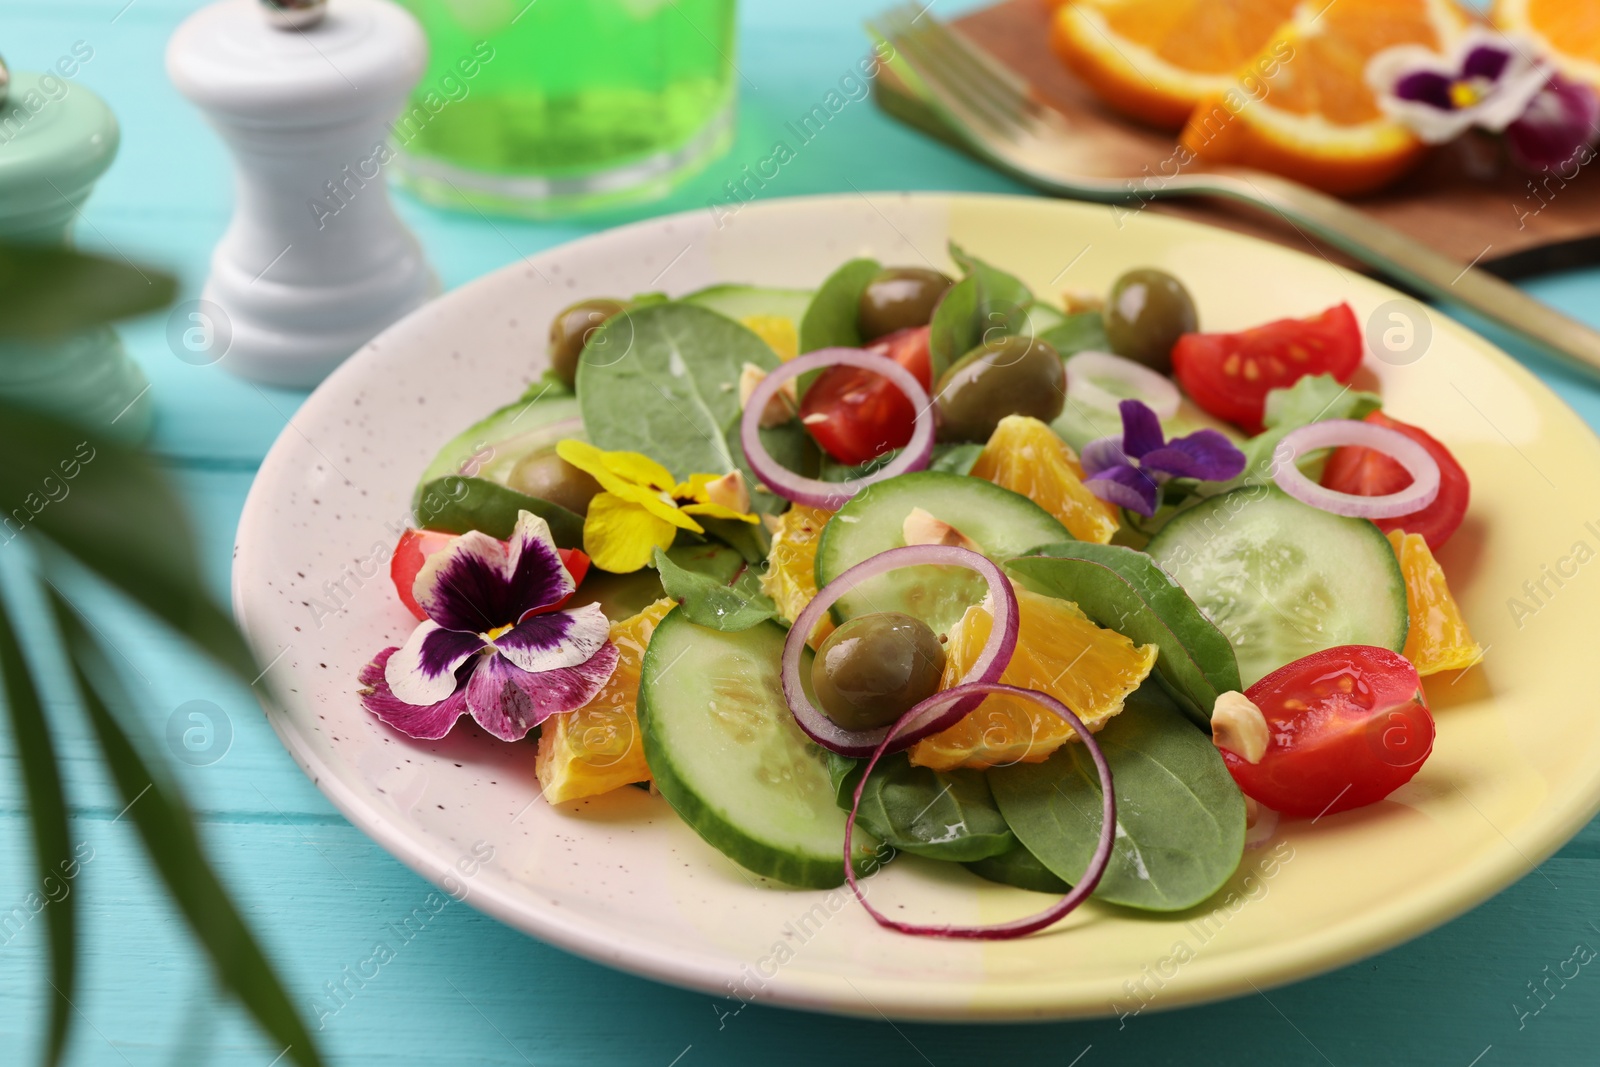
(1312, 951)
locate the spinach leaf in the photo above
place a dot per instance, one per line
(943, 815)
(457, 505)
(1018, 867)
(750, 540)
(1082, 330)
(663, 380)
(789, 446)
(714, 603)
(953, 458)
(957, 459)
(986, 300)
(830, 318)
(718, 562)
(620, 596)
(1180, 818)
(1124, 590)
(1311, 399)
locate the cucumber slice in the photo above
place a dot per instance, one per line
(724, 750)
(1283, 580)
(1003, 523)
(462, 504)
(739, 302)
(1043, 318)
(493, 445)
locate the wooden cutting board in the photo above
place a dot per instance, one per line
(1465, 199)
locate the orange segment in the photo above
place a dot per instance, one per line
(1566, 30)
(1025, 456)
(1153, 60)
(778, 331)
(1060, 652)
(1438, 639)
(791, 575)
(1302, 108)
(598, 748)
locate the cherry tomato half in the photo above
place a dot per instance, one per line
(1364, 472)
(1346, 727)
(1230, 374)
(856, 415)
(415, 546)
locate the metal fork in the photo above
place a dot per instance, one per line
(1003, 119)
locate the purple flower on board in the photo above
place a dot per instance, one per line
(491, 646)
(1494, 82)
(1559, 127)
(1486, 79)
(1129, 472)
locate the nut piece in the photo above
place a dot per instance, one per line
(921, 528)
(731, 492)
(1238, 726)
(783, 405)
(1074, 300)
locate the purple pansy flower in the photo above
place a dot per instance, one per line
(1557, 127)
(1129, 472)
(1492, 81)
(1486, 79)
(490, 645)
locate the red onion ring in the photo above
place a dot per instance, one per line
(1155, 390)
(1016, 927)
(1424, 471)
(814, 492)
(992, 659)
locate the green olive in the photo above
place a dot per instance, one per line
(875, 668)
(899, 298)
(549, 477)
(1148, 311)
(1013, 375)
(570, 329)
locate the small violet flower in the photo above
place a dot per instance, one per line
(1129, 472)
(1560, 127)
(1490, 81)
(492, 644)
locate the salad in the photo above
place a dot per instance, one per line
(1076, 595)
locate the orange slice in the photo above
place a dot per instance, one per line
(1153, 60)
(778, 331)
(791, 575)
(598, 748)
(1302, 108)
(1060, 652)
(1438, 639)
(1025, 456)
(1568, 31)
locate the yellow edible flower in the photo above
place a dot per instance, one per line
(641, 508)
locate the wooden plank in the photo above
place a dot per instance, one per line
(463, 989)
(1464, 200)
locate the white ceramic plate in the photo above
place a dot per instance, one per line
(621, 880)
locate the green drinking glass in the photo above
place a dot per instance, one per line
(555, 107)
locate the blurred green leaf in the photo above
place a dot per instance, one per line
(164, 822)
(52, 291)
(52, 843)
(108, 506)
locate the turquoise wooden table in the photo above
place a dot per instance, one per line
(1481, 990)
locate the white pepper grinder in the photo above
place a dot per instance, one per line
(315, 262)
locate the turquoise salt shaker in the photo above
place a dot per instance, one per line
(56, 139)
